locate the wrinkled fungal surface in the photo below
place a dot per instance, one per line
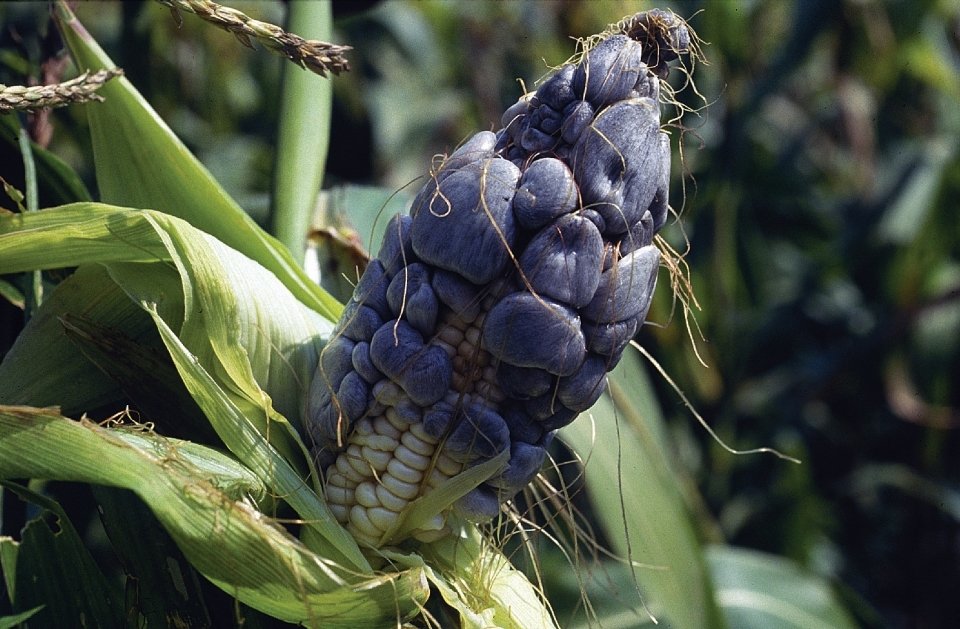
(495, 309)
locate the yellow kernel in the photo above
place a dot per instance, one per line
(473, 336)
(345, 467)
(451, 350)
(448, 466)
(336, 479)
(339, 495)
(376, 442)
(387, 392)
(436, 478)
(433, 524)
(395, 420)
(363, 427)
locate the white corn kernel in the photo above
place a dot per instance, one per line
(407, 474)
(411, 458)
(390, 500)
(398, 488)
(366, 495)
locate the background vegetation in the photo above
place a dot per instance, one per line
(818, 190)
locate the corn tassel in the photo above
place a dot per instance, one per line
(493, 312)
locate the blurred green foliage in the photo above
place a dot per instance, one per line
(817, 189)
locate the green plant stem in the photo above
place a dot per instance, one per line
(304, 134)
(33, 296)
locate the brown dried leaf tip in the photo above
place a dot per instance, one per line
(79, 90)
(317, 56)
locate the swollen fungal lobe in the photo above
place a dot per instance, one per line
(494, 311)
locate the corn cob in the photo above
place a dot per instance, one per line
(493, 312)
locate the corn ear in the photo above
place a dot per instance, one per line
(493, 312)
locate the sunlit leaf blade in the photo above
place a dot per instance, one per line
(244, 440)
(303, 136)
(269, 342)
(756, 590)
(637, 499)
(225, 538)
(241, 330)
(141, 163)
(56, 571)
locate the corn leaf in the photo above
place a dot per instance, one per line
(636, 497)
(12, 294)
(165, 589)
(255, 451)
(757, 590)
(241, 330)
(196, 500)
(140, 162)
(59, 183)
(8, 565)
(56, 571)
(17, 620)
(45, 368)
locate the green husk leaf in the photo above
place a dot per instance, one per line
(146, 375)
(54, 569)
(230, 542)
(756, 590)
(624, 447)
(241, 329)
(242, 438)
(477, 580)
(140, 162)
